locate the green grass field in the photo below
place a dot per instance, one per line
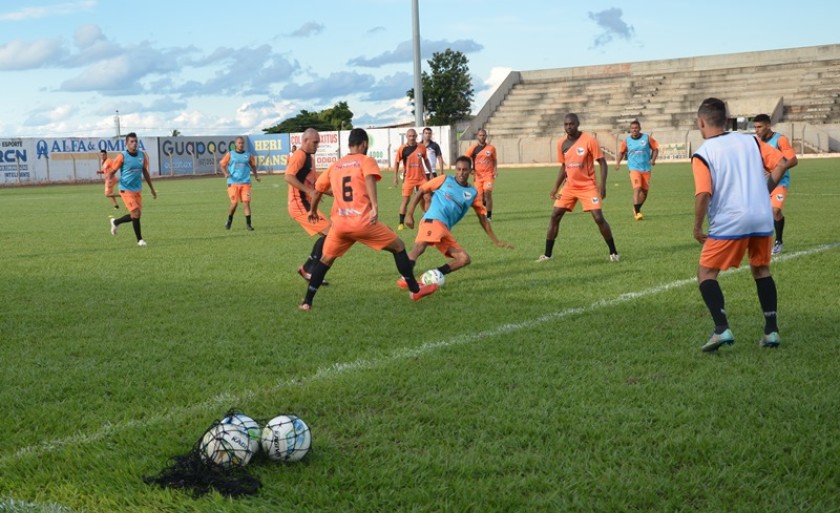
(573, 385)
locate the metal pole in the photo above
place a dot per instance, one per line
(418, 79)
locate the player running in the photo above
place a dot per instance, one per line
(413, 155)
(777, 198)
(486, 168)
(641, 151)
(104, 162)
(132, 165)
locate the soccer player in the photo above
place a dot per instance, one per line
(109, 181)
(484, 160)
(413, 155)
(577, 152)
(641, 151)
(452, 199)
(730, 187)
(301, 176)
(355, 217)
(132, 164)
(433, 152)
(777, 198)
(237, 166)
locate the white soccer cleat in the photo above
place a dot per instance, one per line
(778, 247)
(543, 258)
(113, 227)
(141, 243)
(614, 257)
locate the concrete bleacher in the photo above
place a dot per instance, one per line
(797, 86)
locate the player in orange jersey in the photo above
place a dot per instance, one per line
(764, 132)
(104, 162)
(413, 156)
(301, 176)
(355, 217)
(484, 160)
(577, 152)
(237, 166)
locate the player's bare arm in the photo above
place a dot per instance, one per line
(653, 155)
(397, 173)
(254, 170)
(602, 162)
(370, 186)
(313, 207)
(561, 177)
(147, 176)
(409, 213)
(618, 160)
(701, 206)
(777, 173)
(488, 229)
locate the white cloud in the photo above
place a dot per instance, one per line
(490, 84)
(50, 116)
(310, 28)
(21, 55)
(29, 13)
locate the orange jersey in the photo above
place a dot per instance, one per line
(302, 165)
(346, 179)
(484, 159)
(785, 147)
(413, 158)
(579, 161)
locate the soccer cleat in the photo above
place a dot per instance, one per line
(117, 207)
(724, 339)
(770, 340)
(305, 307)
(638, 215)
(425, 290)
(400, 227)
(543, 258)
(141, 243)
(614, 257)
(401, 283)
(777, 248)
(227, 225)
(113, 227)
(249, 227)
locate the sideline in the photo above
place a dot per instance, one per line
(325, 373)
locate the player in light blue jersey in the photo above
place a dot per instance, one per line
(237, 166)
(641, 151)
(133, 165)
(453, 197)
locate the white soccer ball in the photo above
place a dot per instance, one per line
(432, 277)
(286, 438)
(226, 445)
(250, 425)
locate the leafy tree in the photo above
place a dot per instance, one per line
(448, 90)
(338, 117)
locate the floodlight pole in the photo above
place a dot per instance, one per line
(418, 79)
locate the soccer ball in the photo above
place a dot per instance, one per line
(250, 425)
(286, 438)
(433, 277)
(226, 445)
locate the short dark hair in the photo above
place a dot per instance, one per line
(713, 110)
(762, 118)
(464, 158)
(427, 129)
(357, 137)
(103, 152)
(130, 135)
(635, 122)
(573, 116)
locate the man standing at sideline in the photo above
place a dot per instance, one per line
(109, 180)
(355, 217)
(413, 155)
(731, 188)
(485, 165)
(301, 176)
(434, 153)
(132, 165)
(777, 198)
(641, 151)
(577, 152)
(237, 166)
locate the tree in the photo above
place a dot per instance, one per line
(338, 117)
(448, 91)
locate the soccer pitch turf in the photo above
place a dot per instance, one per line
(572, 385)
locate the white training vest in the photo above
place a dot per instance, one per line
(740, 204)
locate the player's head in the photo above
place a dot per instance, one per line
(411, 136)
(239, 144)
(762, 126)
(358, 141)
(711, 116)
(294, 147)
(571, 123)
(310, 140)
(427, 134)
(463, 168)
(481, 136)
(103, 155)
(635, 129)
(131, 142)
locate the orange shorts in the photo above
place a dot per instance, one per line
(341, 238)
(778, 197)
(435, 233)
(725, 253)
(484, 183)
(409, 187)
(640, 180)
(239, 192)
(590, 199)
(321, 226)
(109, 187)
(132, 200)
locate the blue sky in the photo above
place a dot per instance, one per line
(216, 67)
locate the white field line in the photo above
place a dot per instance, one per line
(16, 506)
(225, 400)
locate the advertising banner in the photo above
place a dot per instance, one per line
(328, 148)
(271, 152)
(193, 155)
(14, 161)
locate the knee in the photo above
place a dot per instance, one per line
(465, 259)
